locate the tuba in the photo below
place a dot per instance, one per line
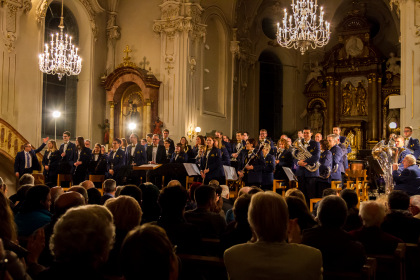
(386, 155)
(299, 152)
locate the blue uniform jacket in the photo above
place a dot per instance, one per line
(116, 162)
(182, 157)
(225, 156)
(407, 180)
(70, 155)
(213, 163)
(326, 160)
(52, 162)
(140, 155)
(254, 175)
(315, 151)
(85, 155)
(345, 159)
(268, 169)
(413, 144)
(337, 163)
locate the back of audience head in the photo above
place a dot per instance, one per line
(126, 212)
(147, 252)
(372, 213)
(150, 207)
(415, 204)
(240, 208)
(37, 198)
(109, 186)
(332, 212)
(118, 190)
(80, 190)
(83, 236)
(225, 191)
(87, 184)
(3, 187)
(133, 191)
(205, 196)
(7, 222)
(299, 210)
(172, 201)
(254, 190)
(26, 179)
(329, 191)
(66, 201)
(193, 187)
(350, 197)
(268, 216)
(296, 193)
(398, 200)
(214, 183)
(174, 183)
(94, 196)
(244, 190)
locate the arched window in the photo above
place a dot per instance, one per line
(59, 95)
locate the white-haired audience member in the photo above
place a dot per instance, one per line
(80, 243)
(408, 179)
(415, 206)
(269, 256)
(373, 238)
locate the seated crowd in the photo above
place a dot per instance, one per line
(141, 232)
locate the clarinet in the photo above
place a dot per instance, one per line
(207, 161)
(253, 155)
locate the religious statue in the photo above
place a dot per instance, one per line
(316, 72)
(347, 99)
(392, 64)
(132, 116)
(361, 100)
(158, 126)
(316, 120)
(105, 128)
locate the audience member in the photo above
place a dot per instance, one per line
(26, 179)
(399, 222)
(373, 238)
(184, 235)
(210, 224)
(109, 187)
(353, 221)
(325, 193)
(61, 205)
(415, 206)
(55, 192)
(227, 202)
(18, 198)
(147, 253)
(339, 251)
(127, 215)
(35, 210)
(191, 204)
(80, 243)
(133, 191)
(94, 195)
(150, 207)
(299, 211)
(407, 179)
(80, 190)
(269, 256)
(174, 183)
(11, 265)
(238, 231)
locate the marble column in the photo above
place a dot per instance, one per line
(148, 115)
(111, 122)
(331, 105)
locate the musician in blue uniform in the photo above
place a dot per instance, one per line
(283, 158)
(224, 152)
(82, 161)
(98, 161)
(250, 164)
(410, 142)
(307, 172)
(225, 144)
(337, 157)
(345, 141)
(263, 138)
(168, 151)
(325, 160)
(68, 155)
(179, 156)
(211, 163)
(116, 160)
(268, 168)
(402, 151)
(50, 162)
(135, 155)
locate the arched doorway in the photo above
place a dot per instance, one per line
(271, 94)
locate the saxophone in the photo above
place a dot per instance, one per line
(299, 152)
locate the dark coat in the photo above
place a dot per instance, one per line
(214, 163)
(225, 156)
(20, 160)
(345, 159)
(50, 175)
(337, 163)
(413, 144)
(140, 156)
(115, 163)
(254, 175)
(99, 166)
(326, 162)
(268, 170)
(160, 154)
(407, 180)
(182, 158)
(66, 165)
(315, 151)
(285, 160)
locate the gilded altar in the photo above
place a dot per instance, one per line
(354, 88)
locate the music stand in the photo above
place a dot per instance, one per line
(147, 168)
(289, 173)
(230, 173)
(374, 164)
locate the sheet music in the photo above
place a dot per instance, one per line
(150, 165)
(289, 173)
(192, 169)
(230, 173)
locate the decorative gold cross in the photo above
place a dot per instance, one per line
(127, 51)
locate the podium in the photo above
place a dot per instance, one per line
(147, 168)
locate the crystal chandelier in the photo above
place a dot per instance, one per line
(61, 56)
(305, 28)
